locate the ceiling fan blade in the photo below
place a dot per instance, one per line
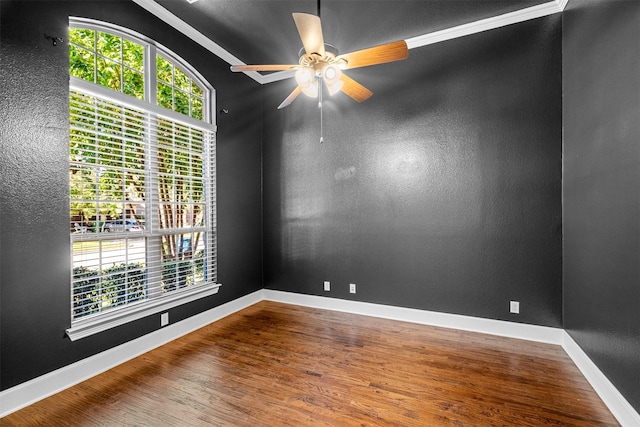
(354, 89)
(389, 52)
(310, 30)
(289, 99)
(267, 67)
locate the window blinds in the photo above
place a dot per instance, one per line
(142, 205)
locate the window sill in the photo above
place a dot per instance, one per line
(86, 327)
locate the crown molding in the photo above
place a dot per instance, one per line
(538, 11)
(562, 4)
(160, 12)
(276, 77)
(494, 22)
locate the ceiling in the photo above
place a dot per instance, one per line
(263, 31)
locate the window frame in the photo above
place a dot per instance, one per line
(82, 327)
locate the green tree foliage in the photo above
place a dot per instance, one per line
(95, 291)
(108, 60)
(177, 91)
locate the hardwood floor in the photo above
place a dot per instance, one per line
(274, 364)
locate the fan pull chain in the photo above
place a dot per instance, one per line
(320, 107)
(321, 127)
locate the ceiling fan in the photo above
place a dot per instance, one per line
(320, 63)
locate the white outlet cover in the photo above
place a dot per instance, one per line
(327, 285)
(164, 319)
(514, 307)
(352, 288)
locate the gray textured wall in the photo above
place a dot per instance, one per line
(601, 182)
(441, 192)
(34, 199)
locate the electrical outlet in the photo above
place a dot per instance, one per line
(514, 307)
(164, 319)
(352, 288)
(327, 285)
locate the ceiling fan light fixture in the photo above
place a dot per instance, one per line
(332, 77)
(335, 87)
(311, 90)
(306, 79)
(332, 73)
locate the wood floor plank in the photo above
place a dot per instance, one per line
(275, 364)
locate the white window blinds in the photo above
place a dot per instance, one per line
(142, 206)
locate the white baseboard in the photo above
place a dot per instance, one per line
(53, 382)
(455, 321)
(46, 385)
(617, 404)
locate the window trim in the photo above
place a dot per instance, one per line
(84, 327)
(76, 83)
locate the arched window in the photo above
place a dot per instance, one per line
(142, 179)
